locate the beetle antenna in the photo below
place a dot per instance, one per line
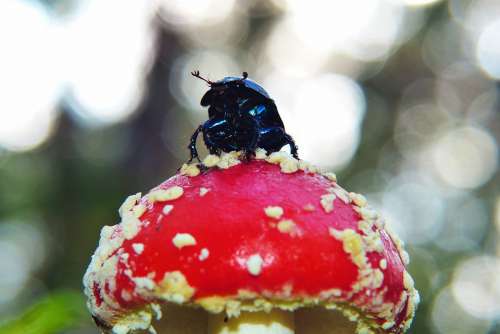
(197, 75)
(245, 75)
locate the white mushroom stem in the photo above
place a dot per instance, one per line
(274, 322)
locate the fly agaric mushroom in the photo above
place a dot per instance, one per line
(270, 245)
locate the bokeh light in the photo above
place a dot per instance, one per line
(324, 25)
(483, 108)
(22, 252)
(465, 157)
(30, 80)
(195, 12)
(476, 286)
(488, 50)
(414, 208)
(418, 3)
(305, 38)
(466, 224)
(477, 15)
(106, 61)
(285, 52)
(449, 317)
(340, 104)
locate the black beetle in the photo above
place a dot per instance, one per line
(242, 116)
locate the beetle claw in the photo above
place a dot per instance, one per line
(248, 155)
(203, 169)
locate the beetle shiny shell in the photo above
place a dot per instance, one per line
(242, 116)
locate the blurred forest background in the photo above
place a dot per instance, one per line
(398, 97)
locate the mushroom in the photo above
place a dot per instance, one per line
(270, 245)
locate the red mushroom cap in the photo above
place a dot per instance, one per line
(268, 233)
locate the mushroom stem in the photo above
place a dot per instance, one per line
(181, 320)
(317, 320)
(273, 322)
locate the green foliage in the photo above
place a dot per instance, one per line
(52, 314)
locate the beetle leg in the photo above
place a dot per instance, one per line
(249, 150)
(192, 145)
(214, 150)
(293, 146)
(274, 138)
(203, 169)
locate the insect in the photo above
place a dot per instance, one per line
(241, 116)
